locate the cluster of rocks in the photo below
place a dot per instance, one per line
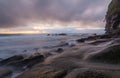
(95, 37)
(61, 34)
(78, 62)
(24, 62)
(18, 62)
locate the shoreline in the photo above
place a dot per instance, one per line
(82, 56)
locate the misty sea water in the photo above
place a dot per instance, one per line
(27, 44)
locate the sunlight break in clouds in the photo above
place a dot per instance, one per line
(52, 15)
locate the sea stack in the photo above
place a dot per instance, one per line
(113, 18)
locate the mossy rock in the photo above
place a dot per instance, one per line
(114, 7)
(113, 17)
(114, 4)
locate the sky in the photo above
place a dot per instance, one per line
(52, 16)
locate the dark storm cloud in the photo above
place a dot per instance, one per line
(22, 12)
(13, 13)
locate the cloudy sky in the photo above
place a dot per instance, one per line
(49, 16)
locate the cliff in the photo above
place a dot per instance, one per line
(113, 18)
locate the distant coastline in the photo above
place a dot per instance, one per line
(10, 34)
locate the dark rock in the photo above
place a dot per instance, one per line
(98, 37)
(62, 34)
(48, 34)
(5, 72)
(28, 62)
(24, 50)
(81, 40)
(93, 74)
(59, 50)
(108, 55)
(116, 42)
(92, 37)
(87, 73)
(105, 36)
(11, 59)
(99, 41)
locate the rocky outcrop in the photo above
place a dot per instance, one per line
(95, 59)
(27, 62)
(11, 59)
(110, 55)
(22, 62)
(113, 18)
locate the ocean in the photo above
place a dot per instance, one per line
(29, 44)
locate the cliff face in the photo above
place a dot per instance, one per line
(113, 18)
